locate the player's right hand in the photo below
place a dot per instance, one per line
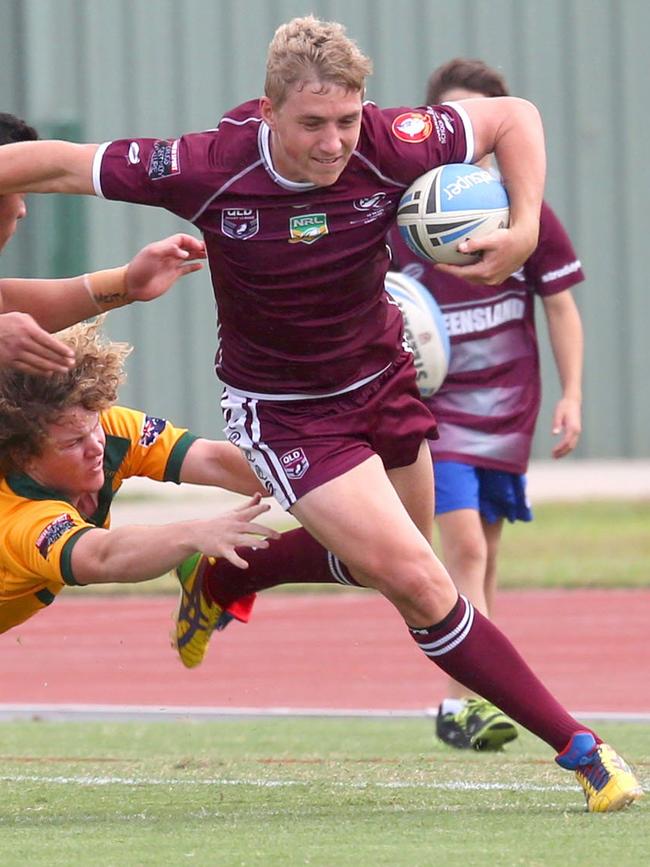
(157, 266)
(27, 347)
(237, 529)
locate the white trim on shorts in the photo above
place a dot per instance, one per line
(243, 430)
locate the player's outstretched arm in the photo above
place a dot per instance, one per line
(139, 553)
(47, 167)
(56, 304)
(222, 465)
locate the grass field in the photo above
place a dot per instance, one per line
(332, 792)
(289, 792)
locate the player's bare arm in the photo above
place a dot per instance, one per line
(139, 553)
(220, 464)
(566, 337)
(510, 128)
(56, 304)
(47, 167)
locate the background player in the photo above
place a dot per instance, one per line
(488, 405)
(294, 193)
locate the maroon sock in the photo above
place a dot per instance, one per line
(469, 648)
(294, 558)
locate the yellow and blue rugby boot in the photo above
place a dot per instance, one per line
(606, 779)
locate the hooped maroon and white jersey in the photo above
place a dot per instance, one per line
(298, 270)
(487, 406)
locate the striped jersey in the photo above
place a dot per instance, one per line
(487, 407)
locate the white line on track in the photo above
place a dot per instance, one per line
(115, 713)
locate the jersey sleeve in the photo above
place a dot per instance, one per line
(168, 173)
(554, 266)
(156, 448)
(406, 142)
(40, 541)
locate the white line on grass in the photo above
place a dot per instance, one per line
(451, 786)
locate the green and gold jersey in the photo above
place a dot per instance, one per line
(39, 527)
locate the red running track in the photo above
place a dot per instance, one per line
(334, 651)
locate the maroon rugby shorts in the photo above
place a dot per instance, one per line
(296, 446)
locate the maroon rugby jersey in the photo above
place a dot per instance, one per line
(297, 270)
(487, 406)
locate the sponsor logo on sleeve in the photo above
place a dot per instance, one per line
(295, 463)
(443, 125)
(240, 223)
(152, 427)
(412, 126)
(307, 228)
(164, 159)
(54, 530)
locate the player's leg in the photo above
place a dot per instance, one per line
(502, 495)
(356, 513)
(492, 532)
(346, 500)
(359, 517)
(465, 720)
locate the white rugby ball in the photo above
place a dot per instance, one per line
(449, 204)
(424, 330)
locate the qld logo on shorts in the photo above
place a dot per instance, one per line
(152, 427)
(412, 126)
(240, 223)
(307, 228)
(54, 530)
(294, 463)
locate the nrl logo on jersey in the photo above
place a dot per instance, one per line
(240, 223)
(307, 228)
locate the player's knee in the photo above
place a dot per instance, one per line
(410, 576)
(470, 554)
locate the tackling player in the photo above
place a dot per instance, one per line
(65, 450)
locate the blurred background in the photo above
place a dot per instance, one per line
(95, 70)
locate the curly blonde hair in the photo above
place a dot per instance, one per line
(308, 49)
(29, 404)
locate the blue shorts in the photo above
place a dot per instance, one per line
(493, 493)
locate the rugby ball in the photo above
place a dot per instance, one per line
(424, 330)
(449, 204)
